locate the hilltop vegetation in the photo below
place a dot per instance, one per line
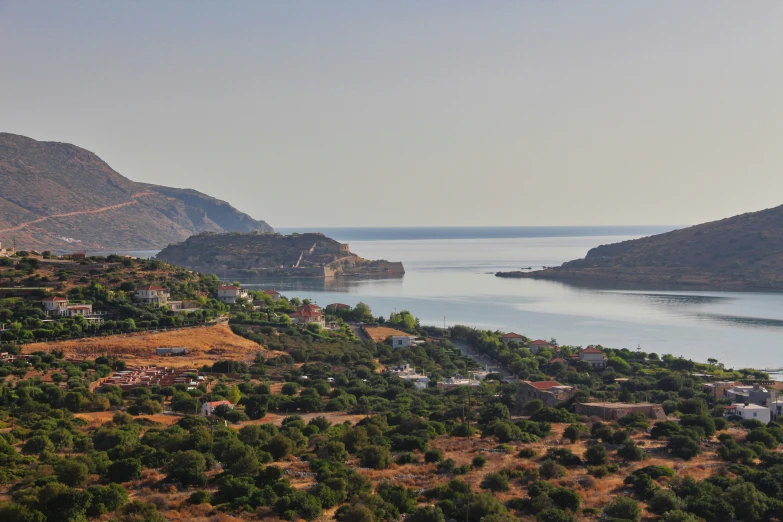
(744, 251)
(321, 427)
(428, 455)
(60, 196)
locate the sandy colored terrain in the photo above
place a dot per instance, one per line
(98, 418)
(380, 333)
(218, 339)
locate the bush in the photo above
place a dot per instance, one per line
(573, 432)
(630, 452)
(624, 508)
(533, 406)
(479, 461)
(187, 467)
(125, 470)
(553, 415)
(551, 469)
(200, 497)
(683, 446)
(71, 472)
(596, 455)
(407, 458)
(495, 482)
(375, 457)
(433, 455)
(527, 453)
(662, 501)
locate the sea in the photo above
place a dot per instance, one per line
(450, 279)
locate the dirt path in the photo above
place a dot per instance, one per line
(79, 212)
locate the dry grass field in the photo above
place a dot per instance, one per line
(206, 344)
(380, 333)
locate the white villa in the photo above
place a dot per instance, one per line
(153, 294)
(208, 408)
(748, 411)
(231, 294)
(593, 356)
(404, 341)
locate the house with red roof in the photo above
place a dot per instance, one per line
(274, 294)
(548, 392)
(557, 360)
(593, 356)
(512, 337)
(308, 313)
(538, 345)
(208, 408)
(152, 295)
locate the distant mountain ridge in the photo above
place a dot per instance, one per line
(58, 196)
(741, 252)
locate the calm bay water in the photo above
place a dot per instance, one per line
(450, 273)
(450, 278)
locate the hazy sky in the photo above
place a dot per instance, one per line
(372, 113)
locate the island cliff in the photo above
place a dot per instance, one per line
(741, 252)
(273, 255)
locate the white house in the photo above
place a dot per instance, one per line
(208, 408)
(231, 294)
(55, 305)
(748, 411)
(403, 341)
(593, 356)
(512, 337)
(153, 294)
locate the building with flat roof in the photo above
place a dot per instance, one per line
(748, 411)
(618, 410)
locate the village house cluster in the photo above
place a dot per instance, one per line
(757, 401)
(146, 376)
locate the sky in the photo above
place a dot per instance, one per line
(410, 113)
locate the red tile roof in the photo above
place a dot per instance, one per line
(591, 349)
(339, 306)
(228, 287)
(151, 287)
(543, 385)
(53, 299)
(215, 404)
(556, 360)
(512, 335)
(539, 342)
(271, 292)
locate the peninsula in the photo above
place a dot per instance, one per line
(737, 253)
(273, 255)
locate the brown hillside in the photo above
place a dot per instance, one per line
(744, 251)
(218, 339)
(60, 196)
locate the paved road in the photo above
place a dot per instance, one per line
(469, 351)
(358, 332)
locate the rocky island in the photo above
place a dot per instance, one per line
(743, 252)
(273, 255)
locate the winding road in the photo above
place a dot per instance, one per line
(79, 212)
